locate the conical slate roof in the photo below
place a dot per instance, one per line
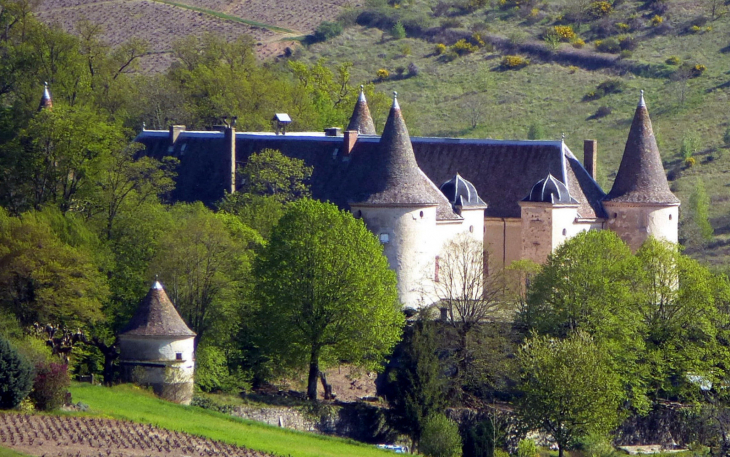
(46, 102)
(393, 176)
(156, 316)
(550, 190)
(361, 121)
(641, 177)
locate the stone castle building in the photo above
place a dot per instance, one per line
(521, 199)
(156, 348)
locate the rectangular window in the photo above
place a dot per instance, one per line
(178, 356)
(436, 270)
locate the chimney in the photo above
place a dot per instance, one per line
(175, 131)
(349, 143)
(229, 136)
(590, 157)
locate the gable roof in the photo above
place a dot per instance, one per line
(503, 172)
(157, 316)
(641, 177)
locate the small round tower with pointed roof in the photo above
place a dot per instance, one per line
(46, 102)
(548, 215)
(398, 204)
(157, 348)
(640, 203)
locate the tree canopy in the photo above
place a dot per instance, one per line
(324, 292)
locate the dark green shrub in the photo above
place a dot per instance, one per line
(628, 43)
(327, 30)
(610, 45)
(50, 388)
(16, 376)
(413, 69)
(479, 440)
(398, 31)
(611, 86)
(440, 437)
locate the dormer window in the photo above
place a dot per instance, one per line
(384, 238)
(178, 356)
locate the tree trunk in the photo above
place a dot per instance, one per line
(328, 395)
(313, 375)
(561, 452)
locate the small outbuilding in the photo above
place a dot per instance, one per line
(157, 348)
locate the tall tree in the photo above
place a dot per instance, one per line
(203, 261)
(324, 292)
(419, 387)
(570, 388)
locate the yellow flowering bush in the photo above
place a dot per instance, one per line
(439, 48)
(622, 27)
(690, 162)
(698, 69)
(565, 32)
(383, 74)
(695, 29)
(462, 47)
(514, 62)
(657, 20)
(673, 60)
(578, 43)
(600, 9)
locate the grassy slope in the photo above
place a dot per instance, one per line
(5, 452)
(127, 402)
(551, 95)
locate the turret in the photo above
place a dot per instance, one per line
(465, 202)
(361, 121)
(157, 348)
(640, 203)
(398, 204)
(46, 102)
(548, 215)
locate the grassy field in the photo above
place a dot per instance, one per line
(130, 403)
(446, 97)
(5, 452)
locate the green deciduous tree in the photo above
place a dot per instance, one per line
(16, 376)
(699, 209)
(44, 279)
(271, 173)
(324, 292)
(440, 437)
(570, 388)
(204, 261)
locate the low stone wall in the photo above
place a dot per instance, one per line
(359, 421)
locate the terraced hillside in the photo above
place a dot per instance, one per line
(273, 24)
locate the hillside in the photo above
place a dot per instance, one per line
(161, 22)
(551, 95)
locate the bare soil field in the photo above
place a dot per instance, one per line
(158, 23)
(65, 436)
(162, 24)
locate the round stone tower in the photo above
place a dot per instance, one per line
(640, 203)
(157, 348)
(398, 204)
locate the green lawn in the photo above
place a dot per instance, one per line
(128, 402)
(5, 452)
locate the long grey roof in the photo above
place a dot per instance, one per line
(502, 171)
(641, 177)
(157, 316)
(361, 120)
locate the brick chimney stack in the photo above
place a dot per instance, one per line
(590, 157)
(349, 142)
